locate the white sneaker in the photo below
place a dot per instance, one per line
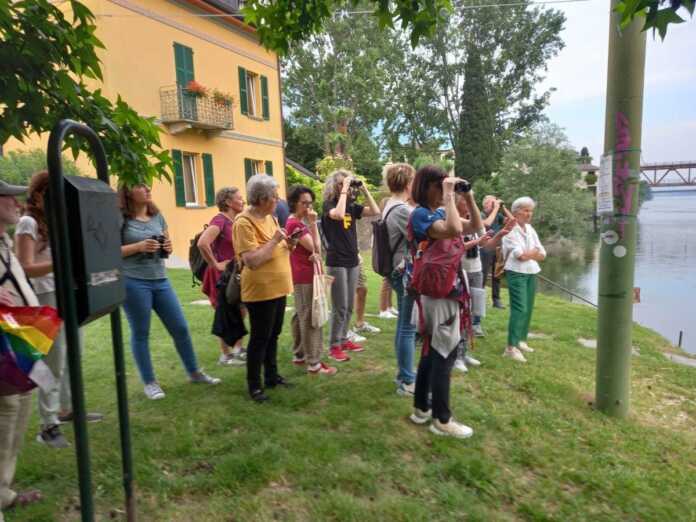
(393, 311)
(387, 314)
(470, 361)
(154, 392)
(406, 390)
(451, 429)
(366, 328)
(461, 366)
(230, 359)
(352, 336)
(514, 354)
(420, 417)
(525, 347)
(478, 330)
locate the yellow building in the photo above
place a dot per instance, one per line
(158, 54)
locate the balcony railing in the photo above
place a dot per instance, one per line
(182, 110)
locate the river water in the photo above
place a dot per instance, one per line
(665, 267)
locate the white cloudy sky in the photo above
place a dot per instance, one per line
(579, 73)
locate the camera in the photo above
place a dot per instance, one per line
(162, 253)
(462, 187)
(356, 183)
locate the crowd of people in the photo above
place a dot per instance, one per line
(442, 249)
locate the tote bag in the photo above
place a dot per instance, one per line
(321, 291)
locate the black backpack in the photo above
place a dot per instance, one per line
(382, 253)
(197, 264)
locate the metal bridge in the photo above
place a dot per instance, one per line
(675, 174)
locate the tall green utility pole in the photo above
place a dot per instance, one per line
(618, 204)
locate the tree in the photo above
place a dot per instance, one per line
(658, 13)
(541, 164)
(303, 144)
(18, 166)
(475, 146)
(47, 64)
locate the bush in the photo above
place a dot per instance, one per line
(19, 166)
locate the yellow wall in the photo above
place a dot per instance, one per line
(139, 59)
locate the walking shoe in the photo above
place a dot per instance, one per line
(498, 304)
(337, 354)
(367, 328)
(352, 336)
(350, 346)
(154, 392)
(298, 361)
(322, 369)
(240, 353)
(478, 331)
(406, 390)
(52, 437)
(258, 396)
(393, 310)
(514, 354)
(279, 381)
(387, 314)
(203, 378)
(230, 359)
(420, 417)
(451, 429)
(470, 361)
(460, 365)
(525, 347)
(89, 417)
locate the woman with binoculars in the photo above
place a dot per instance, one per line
(145, 245)
(339, 226)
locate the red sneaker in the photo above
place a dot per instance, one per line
(298, 361)
(337, 354)
(350, 346)
(322, 368)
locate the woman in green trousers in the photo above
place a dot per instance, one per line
(522, 251)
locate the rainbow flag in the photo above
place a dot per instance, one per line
(26, 336)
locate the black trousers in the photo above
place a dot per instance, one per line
(266, 318)
(434, 372)
(488, 263)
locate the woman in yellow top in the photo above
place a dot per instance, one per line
(263, 249)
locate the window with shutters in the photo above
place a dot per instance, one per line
(194, 179)
(253, 94)
(254, 166)
(191, 181)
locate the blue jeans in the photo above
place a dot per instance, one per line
(143, 296)
(405, 338)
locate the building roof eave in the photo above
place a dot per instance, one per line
(230, 18)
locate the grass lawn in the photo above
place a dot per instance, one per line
(342, 448)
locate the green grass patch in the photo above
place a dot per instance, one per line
(342, 448)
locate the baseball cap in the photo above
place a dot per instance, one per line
(11, 190)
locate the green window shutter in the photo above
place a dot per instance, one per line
(209, 179)
(177, 158)
(248, 169)
(264, 98)
(269, 168)
(183, 62)
(243, 103)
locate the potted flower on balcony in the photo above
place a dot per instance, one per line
(195, 89)
(222, 98)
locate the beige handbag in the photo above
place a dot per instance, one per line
(321, 292)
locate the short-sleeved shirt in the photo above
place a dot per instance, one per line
(422, 219)
(143, 265)
(397, 221)
(302, 267)
(222, 246)
(272, 279)
(282, 212)
(42, 253)
(341, 236)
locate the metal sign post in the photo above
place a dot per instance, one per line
(67, 304)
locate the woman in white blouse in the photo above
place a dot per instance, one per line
(522, 250)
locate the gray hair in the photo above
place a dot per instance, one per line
(332, 185)
(223, 195)
(260, 187)
(524, 201)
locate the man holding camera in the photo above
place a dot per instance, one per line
(493, 215)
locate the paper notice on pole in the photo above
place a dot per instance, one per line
(605, 186)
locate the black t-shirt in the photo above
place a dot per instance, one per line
(341, 236)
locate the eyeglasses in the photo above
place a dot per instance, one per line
(306, 203)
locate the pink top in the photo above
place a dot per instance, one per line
(222, 246)
(302, 267)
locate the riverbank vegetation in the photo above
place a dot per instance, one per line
(342, 448)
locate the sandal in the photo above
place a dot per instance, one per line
(25, 498)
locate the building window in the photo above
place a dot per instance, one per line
(254, 166)
(190, 179)
(253, 94)
(252, 81)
